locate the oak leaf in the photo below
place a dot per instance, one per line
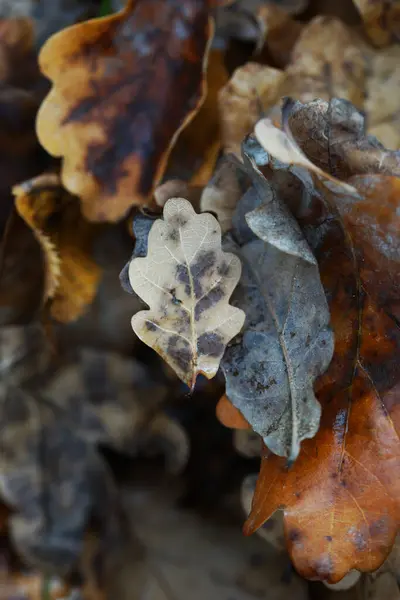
(341, 499)
(66, 238)
(187, 281)
(105, 115)
(286, 341)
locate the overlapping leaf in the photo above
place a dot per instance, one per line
(66, 239)
(286, 342)
(341, 499)
(51, 426)
(105, 114)
(187, 281)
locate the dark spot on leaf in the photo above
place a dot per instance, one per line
(179, 350)
(378, 527)
(182, 275)
(208, 301)
(203, 265)
(173, 236)
(328, 538)
(210, 344)
(150, 326)
(181, 221)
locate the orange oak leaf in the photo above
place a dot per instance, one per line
(71, 274)
(341, 499)
(124, 86)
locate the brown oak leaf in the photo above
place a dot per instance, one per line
(124, 86)
(71, 275)
(341, 499)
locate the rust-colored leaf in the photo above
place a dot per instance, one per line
(341, 498)
(124, 86)
(230, 416)
(71, 276)
(381, 20)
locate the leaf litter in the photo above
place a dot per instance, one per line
(308, 363)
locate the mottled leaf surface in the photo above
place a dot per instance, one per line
(286, 341)
(187, 281)
(51, 423)
(105, 115)
(341, 498)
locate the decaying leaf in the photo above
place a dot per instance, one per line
(66, 239)
(328, 60)
(286, 342)
(381, 20)
(341, 497)
(194, 155)
(251, 90)
(105, 115)
(187, 281)
(51, 427)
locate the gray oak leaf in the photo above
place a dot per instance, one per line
(286, 344)
(187, 280)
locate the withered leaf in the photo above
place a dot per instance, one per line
(341, 498)
(187, 281)
(286, 341)
(105, 115)
(66, 239)
(251, 90)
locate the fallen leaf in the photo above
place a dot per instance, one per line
(270, 371)
(52, 425)
(381, 20)
(341, 497)
(328, 60)
(105, 115)
(66, 239)
(194, 155)
(222, 193)
(251, 90)
(187, 281)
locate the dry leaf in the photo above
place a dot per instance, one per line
(381, 20)
(52, 428)
(341, 498)
(187, 281)
(105, 115)
(251, 90)
(328, 60)
(66, 239)
(196, 151)
(286, 342)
